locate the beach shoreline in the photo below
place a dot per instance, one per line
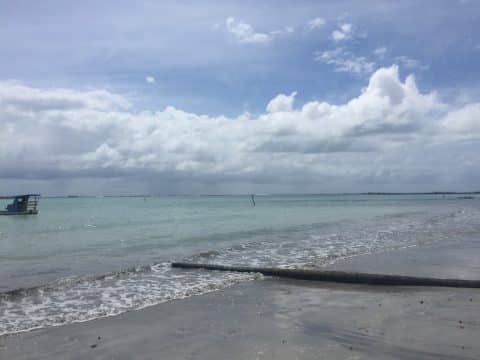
(287, 319)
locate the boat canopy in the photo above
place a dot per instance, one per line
(22, 204)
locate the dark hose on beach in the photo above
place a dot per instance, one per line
(338, 276)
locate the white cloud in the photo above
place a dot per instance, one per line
(33, 99)
(346, 28)
(344, 32)
(60, 133)
(380, 52)
(411, 63)
(338, 35)
(286, 30)
(463, 122)
(281, 103)
(150, 79)
(244, 32)
(316, 23)
(345, 61)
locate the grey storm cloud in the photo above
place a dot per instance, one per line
(385, 131)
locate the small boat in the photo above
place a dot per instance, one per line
(21, 205)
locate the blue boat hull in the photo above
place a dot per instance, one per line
(31, 212)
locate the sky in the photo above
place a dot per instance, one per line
(232, 97)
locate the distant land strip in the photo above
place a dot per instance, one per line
(271, 194)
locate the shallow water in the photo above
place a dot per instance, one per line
(83, 258)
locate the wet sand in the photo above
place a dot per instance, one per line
(279, 319)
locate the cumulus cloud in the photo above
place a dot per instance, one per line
(381, 135)
(244, 32)
(344, 32)
(32, 99)
(316, 23)
(463, 122)
(281, 103)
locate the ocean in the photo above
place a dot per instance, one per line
(84, 258)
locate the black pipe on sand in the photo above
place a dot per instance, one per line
(338, 276)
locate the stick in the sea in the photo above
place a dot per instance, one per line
(338, 276)
(253, 200)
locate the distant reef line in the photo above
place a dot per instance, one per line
(424, 193)
(271, 194)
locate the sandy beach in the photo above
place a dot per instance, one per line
(279, 319)
(239, 180)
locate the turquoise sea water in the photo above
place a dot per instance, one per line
(83, 258)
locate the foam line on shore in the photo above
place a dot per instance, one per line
(338, 276)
